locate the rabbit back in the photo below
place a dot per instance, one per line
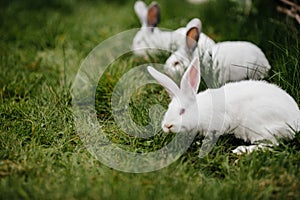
(256, 110)
(237, 60)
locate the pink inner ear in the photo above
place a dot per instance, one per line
(153, 16)
(192, 38)
(194, 77)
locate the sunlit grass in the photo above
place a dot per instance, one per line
(41, 156)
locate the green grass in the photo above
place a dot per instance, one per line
(42, 45)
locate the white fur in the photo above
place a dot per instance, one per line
(145, 40)
(231, 61)
(151, 37)
(181, 58)
(154, 38)
(251, 110)
(237, 60)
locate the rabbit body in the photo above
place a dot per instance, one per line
(148, 42)
(230, 60)
(237, 60)
(149, 37)
(252, 110)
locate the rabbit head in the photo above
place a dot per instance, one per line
(149, 18)
(181, 115)
(181, 58)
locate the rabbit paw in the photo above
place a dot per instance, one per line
(248, 149)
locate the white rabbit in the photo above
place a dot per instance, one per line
(254, 111)
(237, 60)
(231, 60)
(150, 36)
(187, 49)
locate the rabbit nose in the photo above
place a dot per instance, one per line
(169, 126)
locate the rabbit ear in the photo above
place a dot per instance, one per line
(196, 22)
(193, 33)
(191, 78)
(165, 81)
(192, 37)
(153, 15)
(141, 10)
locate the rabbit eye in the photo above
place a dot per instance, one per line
(176, 63)
(181, 112)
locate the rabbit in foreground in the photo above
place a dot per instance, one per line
(254, 111)
(150, 36)
(232, 60)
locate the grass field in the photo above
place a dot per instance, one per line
(42, 45)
